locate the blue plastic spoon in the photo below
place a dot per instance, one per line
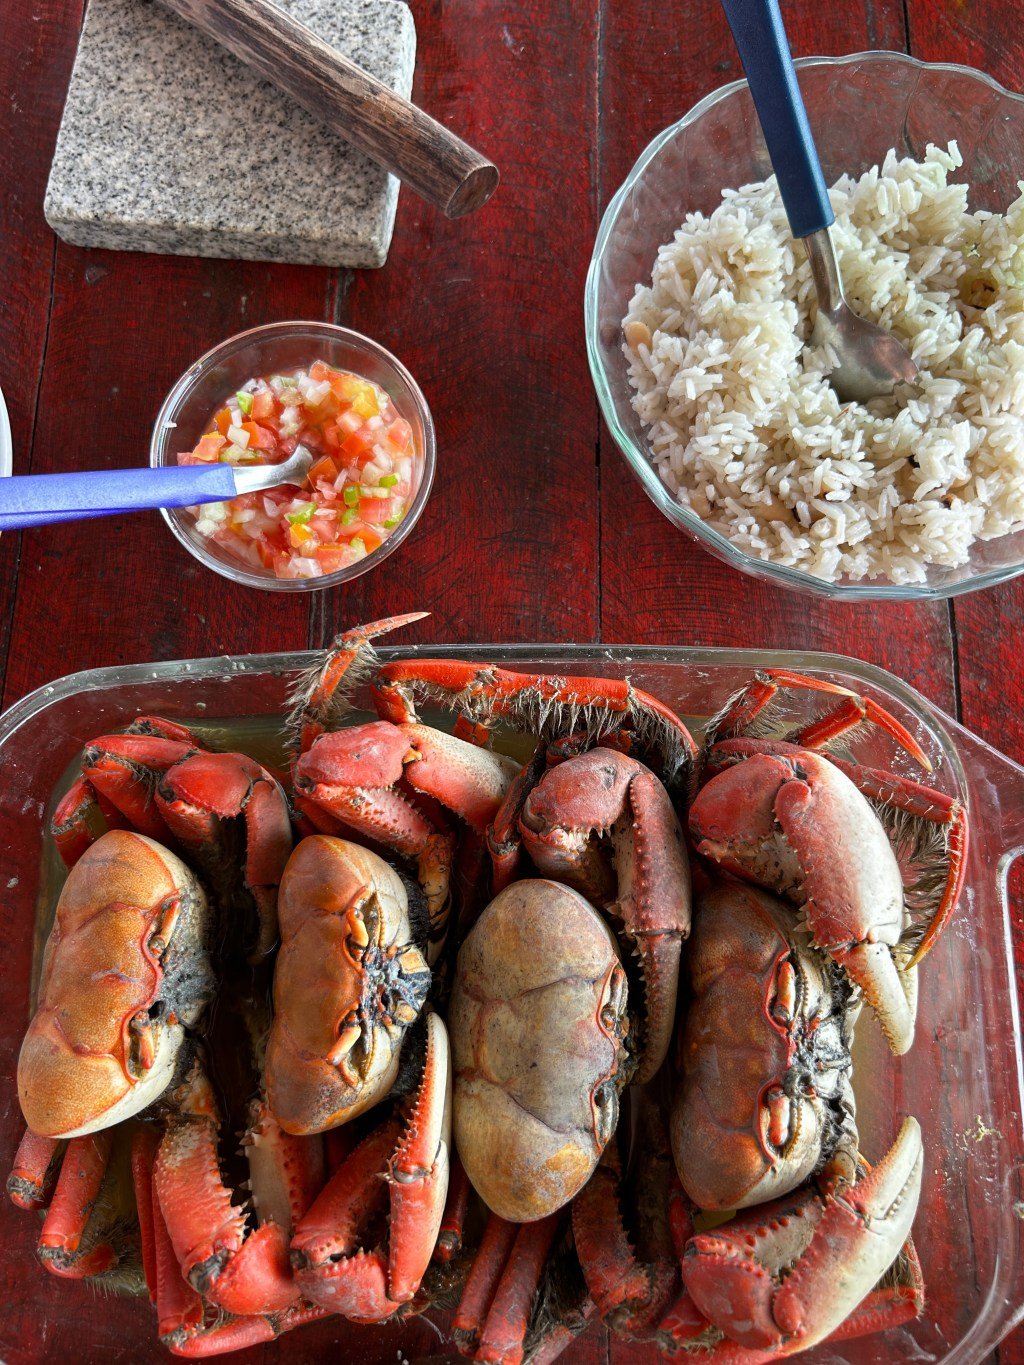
(40, 499)
(871, 361)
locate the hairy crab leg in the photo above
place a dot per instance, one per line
(74, 1198)
(317, 700)
(923, 803)
(532, 701)
(742, 709)
(34, 1173)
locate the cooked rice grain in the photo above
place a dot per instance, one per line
(741, 420)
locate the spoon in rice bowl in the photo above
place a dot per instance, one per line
(870, 362)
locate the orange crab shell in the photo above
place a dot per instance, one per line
(348, 982)
(124, 973)
(537, 1023)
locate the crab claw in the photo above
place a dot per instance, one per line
(607, 794)
(789, 820)
(331, 1266)
(787, 1274)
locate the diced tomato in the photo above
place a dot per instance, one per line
(324, 471)
(375, 511)
(350, 432)
(399, 433)
(265, 404)
(260, 438)
(209, 447)
(333, 557)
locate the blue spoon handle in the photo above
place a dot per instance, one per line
(764, 51)
(41, 499)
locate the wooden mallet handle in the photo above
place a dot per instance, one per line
(439, 166)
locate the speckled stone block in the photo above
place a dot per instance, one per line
(170, 144)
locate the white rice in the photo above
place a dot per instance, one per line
(743, 425)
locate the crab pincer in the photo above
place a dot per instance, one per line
(603, 803)
(786, 1275)
(331, 1266)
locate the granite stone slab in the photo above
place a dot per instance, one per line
(170, 144)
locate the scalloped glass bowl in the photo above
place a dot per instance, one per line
(859, 107)
(281, 347)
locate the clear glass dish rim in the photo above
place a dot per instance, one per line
(638, 461)
(953, 739)
(269, 583)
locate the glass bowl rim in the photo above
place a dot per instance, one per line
(638, 460)
(266, 332)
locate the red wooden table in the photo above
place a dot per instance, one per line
(534, 531)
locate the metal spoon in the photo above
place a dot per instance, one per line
(42, 499)
(871, 361)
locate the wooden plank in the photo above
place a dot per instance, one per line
(123, 328)
(485, 313)
(985, 34)
(657, 585)
(37, 46)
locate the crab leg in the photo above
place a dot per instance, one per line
(501, 1341)
(449, 1240)
(144, 1148)
(834, 1251)
(631, 1296)
(482, 1282)
(317, 699)
(71, 1207)
(330, 1266)
(851, 712)
(34, 1173)
(532, 701)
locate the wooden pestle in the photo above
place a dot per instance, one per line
(439, 166)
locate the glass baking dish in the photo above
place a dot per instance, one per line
(963, 1078)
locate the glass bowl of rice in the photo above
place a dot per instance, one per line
(257, 540)
(699, 305)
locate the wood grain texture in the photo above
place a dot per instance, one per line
(987, 625)
(485, 312)
(446, 171)
(37, 48)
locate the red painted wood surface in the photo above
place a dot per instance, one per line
(534, 530)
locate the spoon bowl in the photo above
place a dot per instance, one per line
(871, 362)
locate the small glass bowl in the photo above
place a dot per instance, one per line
(278, 348)
(859, 107)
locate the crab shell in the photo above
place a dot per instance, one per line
(537, 1021)
(348, 983)
(765, 1096)
(125, 972)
